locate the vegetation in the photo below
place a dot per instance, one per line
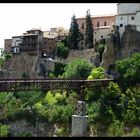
(129, 70)
(74, 35)
(112, 111)
(4, 130)
(62, 50)
(78, 68)
(89, 31)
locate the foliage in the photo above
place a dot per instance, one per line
(93, 111)
(7, 56)
(74, 35)
(78, 68)
(100, 50)
(59, 68)
(116, 129)
(50, 99)
(62, 50)
(4, 130)
(24, 134)
(135, 132)
(129, 69)
(110, 101)
(28, 97)
(97, 73)
(1, 61)
(89, 31)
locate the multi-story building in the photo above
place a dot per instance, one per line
(30, 42)
(51, 38)
(127, 13)
(35, 41)
(102, 26)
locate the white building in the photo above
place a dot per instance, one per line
(127, 13)
(16, 42)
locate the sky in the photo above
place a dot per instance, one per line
(17, 18)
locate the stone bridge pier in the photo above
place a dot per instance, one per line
(79, 120)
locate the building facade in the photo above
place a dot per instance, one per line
(7, 45)
(127, 13)
(102, 26)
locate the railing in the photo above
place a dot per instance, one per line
(49, 84)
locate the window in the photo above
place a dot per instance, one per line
(121, 25)
(132, 18)
(95, 32)
(121, 18)
(95, 40)
(81, 43)
(105, 23)
(97, 24)
(82, 25)
(49, 48)
(101, 36)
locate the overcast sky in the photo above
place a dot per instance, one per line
(16, 18)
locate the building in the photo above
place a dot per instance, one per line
(7, 45)
(127, 13)
(36, 42)
(51, 38)
(29, 42)
(102, 26)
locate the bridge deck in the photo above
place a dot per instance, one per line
(49, 84)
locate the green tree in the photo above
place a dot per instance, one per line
(62, 50)
(129, 69)
(78, 68)
(74, 35)
(97, 73)
(89, 31)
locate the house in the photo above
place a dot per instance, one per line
(127, 13)
(102, 26)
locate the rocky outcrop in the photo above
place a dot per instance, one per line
(24, 64)
(129, 44)
(130, 41)
(108, 57)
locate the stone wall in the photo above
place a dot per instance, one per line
(73, 54)
(19, 128)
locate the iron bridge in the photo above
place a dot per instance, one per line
(7, 85)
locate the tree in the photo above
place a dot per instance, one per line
(62, 50)
(89, 31)
(78, 68)
(97, 73)
(129, 69)
(74, 35)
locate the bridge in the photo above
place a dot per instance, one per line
(7, 85)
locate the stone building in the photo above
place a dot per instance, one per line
(127, 13)
(102, 26)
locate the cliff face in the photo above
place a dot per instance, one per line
(129, 44)
(108, 57)
(130, 41)
(19, 64)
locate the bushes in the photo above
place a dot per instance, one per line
(62, 50)
(97, 73)
(129, 70)
(4, 130)
(78, 68)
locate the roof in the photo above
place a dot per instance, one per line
(98, 16)
(29, 35)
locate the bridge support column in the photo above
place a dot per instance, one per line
(79, 121)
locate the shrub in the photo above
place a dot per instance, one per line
(4, 130)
